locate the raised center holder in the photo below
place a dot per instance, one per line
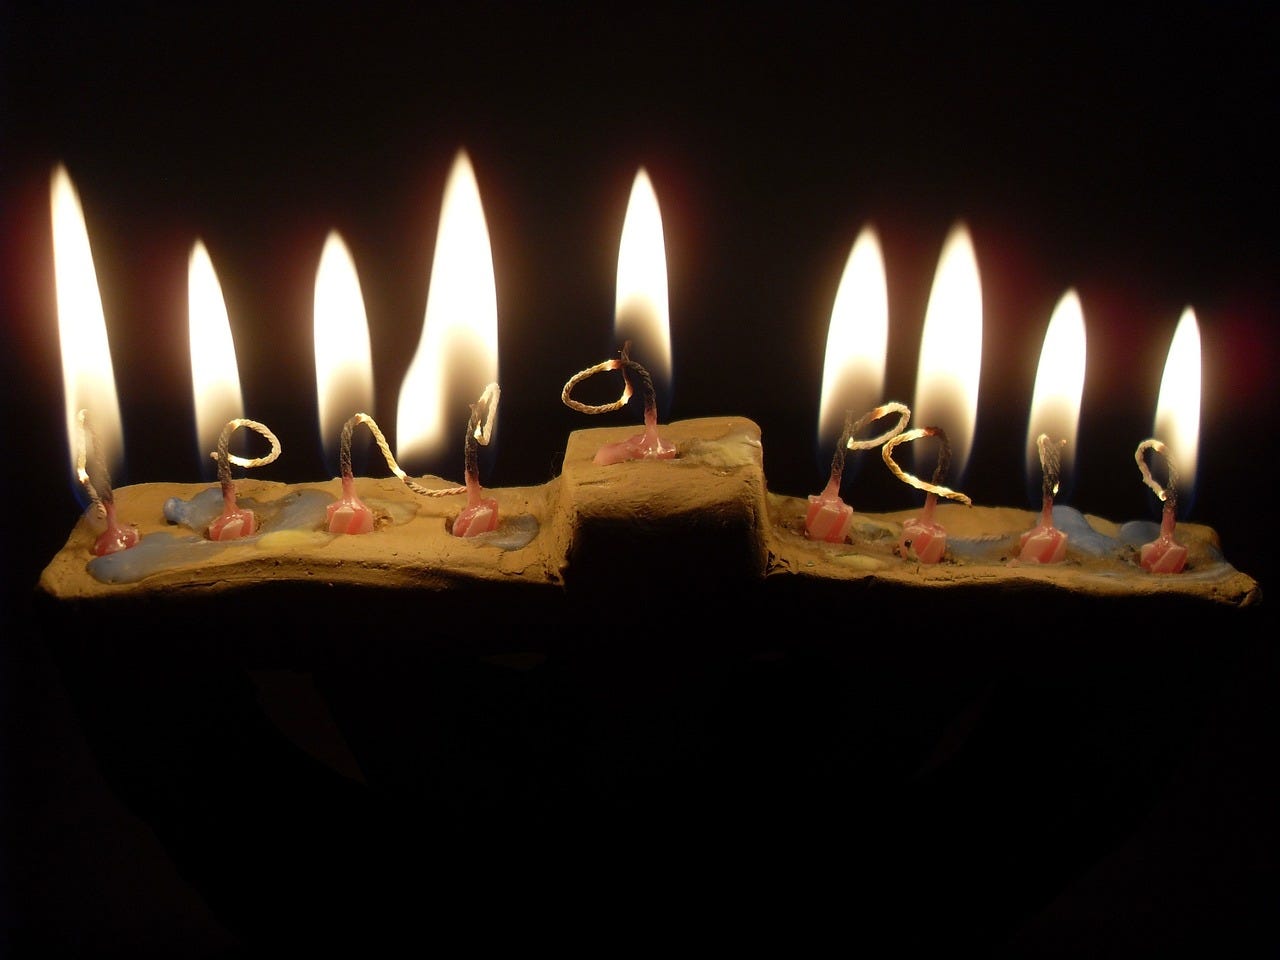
(656, 530)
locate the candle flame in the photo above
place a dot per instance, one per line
(87, 376)
(1055, 402)
(215, 375)
(344, 355)
(857, 339)
(951, 352)
(1177, 420)
(642, 314)
(457, 356)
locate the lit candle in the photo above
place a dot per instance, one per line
(641, 312)
(1045, 543)
(215, 375)
(480, 515)
(923, 538)
(1052, 426)
(852, 379)
(1177, 419)
(1164, 554)
(235, 521)
(1177, 427)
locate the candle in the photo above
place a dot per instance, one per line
(1178, 420)
(643, 446)
(852, 379)
(481, 513)
(1045, 543)
(829, 518)
(641, 310)
(235, 521)
(923, 538)
(1164, 554)
(116, 536)
(1054, 420)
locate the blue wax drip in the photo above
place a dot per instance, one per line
(1080, 535)
(511, 534)
(153, 553)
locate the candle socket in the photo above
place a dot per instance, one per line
(692, 523)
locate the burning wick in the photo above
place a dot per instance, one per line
(922, 536)
(829, 518)
(234, 523)
(1045, 543)
(352, 515)
(115, 537)
(645, 446)
(480, 514)
(1164, 554)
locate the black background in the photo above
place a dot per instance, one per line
(1122, 152)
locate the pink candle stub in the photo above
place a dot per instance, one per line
(350, 514)
(234, 523)
(924, 539)
(1043, 544)
(477, 518)
(828, 518)
(642, 446)
(1164, 554)
(116, 537)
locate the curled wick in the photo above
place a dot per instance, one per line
(646, 446)
(1164, 554)
(234, 522)
(829, 517)
(923, 537)
(352, 515)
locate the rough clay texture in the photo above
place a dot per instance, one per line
(706, 516)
